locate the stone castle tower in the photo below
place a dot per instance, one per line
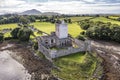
(61, 30)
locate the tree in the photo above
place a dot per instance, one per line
(24, 20)
(15, 32)
(80, 37)
(1, 37)
(118, 19)
(24, 34)
(116, 34)
(69, 20)
(102, 32)
(90, 32)
(85, 24)
(31, 18)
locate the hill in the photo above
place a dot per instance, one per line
(31, 12)
(50, 13)
(36, 12)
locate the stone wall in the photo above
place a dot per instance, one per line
(82, 46)
(70, 50)
(45, 51)
(79, 42)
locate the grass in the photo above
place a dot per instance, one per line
(73, 29)
(44, 26)
(7, 34)
(75, 19)
(103, 19)
(79, 18)
(114, 17)
(5, 26)
(75, 66)
(78, 57)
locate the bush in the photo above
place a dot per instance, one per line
(1, 37)
(82, 33)
(81, 38)
(24, 34)
(15, 32)
(86, 24)
(8, 38)
(35, 46)
(118, 19)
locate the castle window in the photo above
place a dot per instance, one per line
(62, 44)
(52, 41)
(46, 42)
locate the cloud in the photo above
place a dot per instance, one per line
(62, 6)
(11, 3)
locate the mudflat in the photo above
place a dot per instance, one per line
(19, 62)
(10, 69)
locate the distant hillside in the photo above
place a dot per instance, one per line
(36, 12)
(50, 13)
(31, 12)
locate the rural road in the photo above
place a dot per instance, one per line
(110, 52)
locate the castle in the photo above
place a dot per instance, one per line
(60, 43)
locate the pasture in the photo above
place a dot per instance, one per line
(103, 19)
(8, 26)
(75, 19)
(73, 29)
(113, 17)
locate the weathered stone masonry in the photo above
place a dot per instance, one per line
(58, 44)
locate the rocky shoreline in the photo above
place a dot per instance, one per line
(38, 68)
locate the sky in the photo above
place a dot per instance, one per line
(62, 6)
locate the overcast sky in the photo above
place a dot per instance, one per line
(62, 6)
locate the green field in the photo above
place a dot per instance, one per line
(73, 29)
(44, 26)
(8, 26)
(103, 19)
(114, 17)
(74, 19)
(75, 67)
(79, 18)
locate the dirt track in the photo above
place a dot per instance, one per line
(110, 52)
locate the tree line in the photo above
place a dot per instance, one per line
(117, 19)
(6, 19)
(101, 31)
(22, 32)
(53, 19)
(15, 19)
